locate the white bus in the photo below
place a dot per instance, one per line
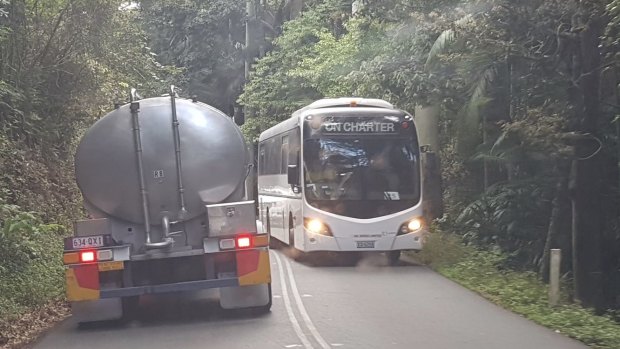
(343, 175)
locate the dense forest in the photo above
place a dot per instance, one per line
(526, 95)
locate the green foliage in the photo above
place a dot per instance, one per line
(330, 64)
(204, 39)
(255, 126)
(63, 64)
(512, 216)
(441, 249)
(31, 270)
(274, 91)
(612, 34)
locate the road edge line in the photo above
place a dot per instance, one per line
(287, 304)
(302, 308)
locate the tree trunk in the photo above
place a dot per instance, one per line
(558, 235)
(587, 170)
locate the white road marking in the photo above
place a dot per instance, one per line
(305, 295)
(276, 296)
(292, 345)
(337, 344)
(302, 309)
(289, 308)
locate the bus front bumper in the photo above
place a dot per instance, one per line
(411, 241)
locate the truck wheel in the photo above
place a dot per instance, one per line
(393, 257)
(130, 307)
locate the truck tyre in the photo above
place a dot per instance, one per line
(130, 307)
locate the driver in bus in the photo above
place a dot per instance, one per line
(382, 176)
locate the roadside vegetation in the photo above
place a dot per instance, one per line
(63, 64)
(522, 292)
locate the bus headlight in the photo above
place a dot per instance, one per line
(415, 224)
(411, 226)
(316, 226)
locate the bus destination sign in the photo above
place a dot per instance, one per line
(359, 126)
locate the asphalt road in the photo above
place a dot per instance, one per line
(367, 306)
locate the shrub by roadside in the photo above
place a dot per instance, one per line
(31, 272)
(520, 292)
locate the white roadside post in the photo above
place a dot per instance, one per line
(554, 277)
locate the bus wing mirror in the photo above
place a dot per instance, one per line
(239, 116)
(293, 175)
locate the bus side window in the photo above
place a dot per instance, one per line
(261, 159)
(284, 155)
(294, 148)
(273, 156)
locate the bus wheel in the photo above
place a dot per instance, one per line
(274, 244)
(291, 231)
(393, 257)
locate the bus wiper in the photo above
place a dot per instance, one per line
(345, 177)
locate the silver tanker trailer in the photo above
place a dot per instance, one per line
(163, 182)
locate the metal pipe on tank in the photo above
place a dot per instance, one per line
(165, 225)
(177, 151)
(134, 107)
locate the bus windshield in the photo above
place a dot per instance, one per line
(374, 168)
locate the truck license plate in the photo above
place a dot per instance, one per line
(88, 241)
(365, 244)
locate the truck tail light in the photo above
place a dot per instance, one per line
(244, 241)
(88, 256)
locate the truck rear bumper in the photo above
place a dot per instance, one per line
(166, 288)
(83, 281)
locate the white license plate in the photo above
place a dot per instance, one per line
(365, 244)
(88, 241)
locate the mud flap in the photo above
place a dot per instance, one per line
(254, 273)
(244, 296)
(97, 310)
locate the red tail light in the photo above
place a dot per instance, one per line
(244, 241)
(88, 256)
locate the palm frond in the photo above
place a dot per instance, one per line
(470, 116)
(445, 40)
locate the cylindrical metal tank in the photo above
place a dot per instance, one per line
(213, 158)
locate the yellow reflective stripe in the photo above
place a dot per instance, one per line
(261, 240)
(71, 258)
(109, 266)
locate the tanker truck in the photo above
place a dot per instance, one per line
(163, 181)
